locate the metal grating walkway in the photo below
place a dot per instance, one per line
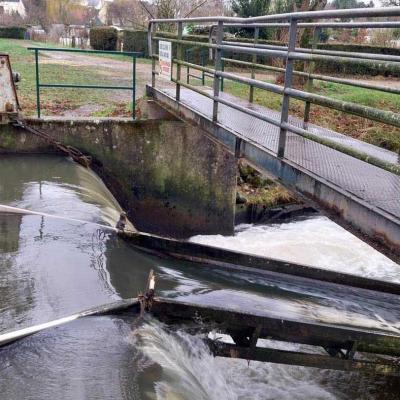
(371, 184)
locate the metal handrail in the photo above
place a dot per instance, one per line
(39, 85)
(324, 14)
(289, 53)
(338, 25)
(317, 77)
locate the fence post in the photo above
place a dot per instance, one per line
(150, 44)
(203, 74)
(217, 67)
(179, 56)
(309, 83)
(37, 83)
(288, 85)
(134, 87)
(222, 69)
(254, 60)
(187, 68)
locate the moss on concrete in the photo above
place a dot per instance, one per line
(171, 177)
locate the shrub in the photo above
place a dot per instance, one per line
(12, 32)
(337, 67)
(136, 41)
(104, 38)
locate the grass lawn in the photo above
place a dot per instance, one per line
(116, 103)
(370, 131)
(55, 101)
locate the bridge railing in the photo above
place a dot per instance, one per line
(291, 55)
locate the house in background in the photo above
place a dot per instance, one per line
(11, 7)
(101, 7)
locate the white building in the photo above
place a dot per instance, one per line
(12, 7)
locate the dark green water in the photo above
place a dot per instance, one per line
(51, 268)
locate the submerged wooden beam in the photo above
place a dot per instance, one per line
(217, 257)
(278, 328)
(255, 326)
(381, 367)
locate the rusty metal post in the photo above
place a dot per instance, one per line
(254, 61)
(288, 85)
(309, 83)
(217, 67)
(179, 56)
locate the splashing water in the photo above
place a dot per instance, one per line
(190, 371)
(317, 241)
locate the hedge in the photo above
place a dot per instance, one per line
(357, 68)
(12, 32)
(103, 38)
(136, 41)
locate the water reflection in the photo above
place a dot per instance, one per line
(51, 267)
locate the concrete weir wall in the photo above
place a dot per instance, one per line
(171, 177)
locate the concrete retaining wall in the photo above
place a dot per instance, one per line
(171, 177)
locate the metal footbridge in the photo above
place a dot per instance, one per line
(356, 180)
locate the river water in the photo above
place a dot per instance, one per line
(52, 267)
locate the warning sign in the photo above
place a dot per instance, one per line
(165, 59)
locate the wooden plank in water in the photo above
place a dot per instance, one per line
(223, 258)
(379, 367)
(282, 329)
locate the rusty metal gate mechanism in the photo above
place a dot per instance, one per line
(70, 151)
(9, 105)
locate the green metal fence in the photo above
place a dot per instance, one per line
(39, 85)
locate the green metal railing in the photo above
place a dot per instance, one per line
(39, 85)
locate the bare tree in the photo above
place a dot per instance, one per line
(390, 3)
(133, 13)
(36, 12)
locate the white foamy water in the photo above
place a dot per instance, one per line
(317, 241)
(191, 372)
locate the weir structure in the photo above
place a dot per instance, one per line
(302, 155)
(357, 181)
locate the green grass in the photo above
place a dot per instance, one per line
(370, 98)
(55, 100)
(372, 132)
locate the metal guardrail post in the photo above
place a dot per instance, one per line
(134, 87)
(152, 54)
(187, 68)
(254, 61)
(309, 83)
(179, 55)
(222, 69)
(203, 74)
(288, 84)
(37, 83)
(217, 67)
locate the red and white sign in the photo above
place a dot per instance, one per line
(165, 59)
